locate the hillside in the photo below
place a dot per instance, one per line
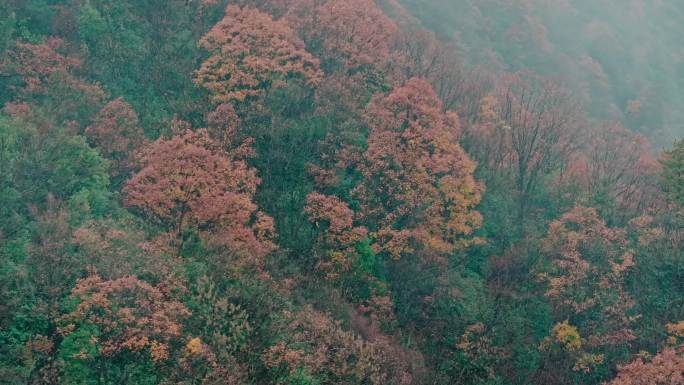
(313, 192)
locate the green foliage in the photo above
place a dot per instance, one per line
(300, 377)
(145, 53)
(75, 172)
(7, 25)
(369, 261)
(91, 24)
(12, 140)
(479, 315)
(28, 319)
(286, 141)
(78, 352)
(673, 172)
(60, 164)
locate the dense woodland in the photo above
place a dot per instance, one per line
(312, 192)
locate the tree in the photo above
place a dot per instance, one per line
(125, 321)
(41, 64)
(665, 368)
(46, 72)
(673, 172)
(187, 182)
(567, 351)
(353, 33)
(250, 52)
(418, 190)
(317, 348)
(54, 265)
(418, 53)
(584, 271)
(116, 132)
(223, 125)
(616, 166)
(586, 278)
(116, 247)
(338, 236)
(65, 166)
(528, 127)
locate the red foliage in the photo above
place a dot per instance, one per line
(529, 126)
(223, 124)
(317, 342)
(37, 63)
(418, 189)
(132, 315)
(588, 267)
(339, 236)
(116, 132)
(666, 368)
(352, 32)
(331, 210)
(46, 66)
(186, 181)
(224, 128)
(618, 163)
(250, 52)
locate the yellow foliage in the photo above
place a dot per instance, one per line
(587, 361)
(159, 351)
(488, 108)
(567, 335)
(677, 329)
(195, 346)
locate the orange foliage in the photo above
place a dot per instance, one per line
(38, 63)
(187, 182)
(47, 68)
(665, 368)
(618, 162)
(587, 274)
(352, 32)
(479, 349)
(565, 341)
(418, 190)
(339, 236)
(250, 52)
(318, 343)
(116, 132)
(132, 315)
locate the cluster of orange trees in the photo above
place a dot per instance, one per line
(317, 192)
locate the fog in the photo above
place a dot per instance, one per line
(623, 58)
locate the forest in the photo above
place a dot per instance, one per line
(355, 192)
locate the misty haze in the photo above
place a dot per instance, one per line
(354, 192)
